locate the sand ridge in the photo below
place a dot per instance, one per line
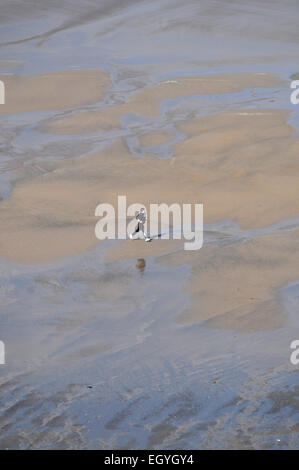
(56, 90)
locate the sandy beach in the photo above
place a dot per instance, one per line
(121, 344)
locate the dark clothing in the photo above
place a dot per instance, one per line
(140, 226)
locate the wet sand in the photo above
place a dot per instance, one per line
(248, 273)
(58, 90)
(155, 138)
(147, 101)
(124, 344)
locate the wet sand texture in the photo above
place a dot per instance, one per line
(235, 285)
(134, 345)
(147, 101)
(57, 90)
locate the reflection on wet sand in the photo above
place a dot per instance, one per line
(140, 265)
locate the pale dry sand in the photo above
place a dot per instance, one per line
(57, 90)
(243, 166)
(147, 101)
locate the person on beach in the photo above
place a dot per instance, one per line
(141, 219)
